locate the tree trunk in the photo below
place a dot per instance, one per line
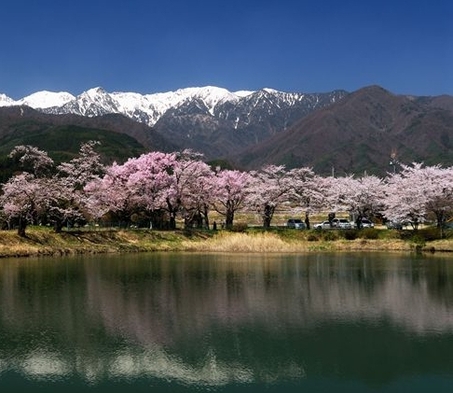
(307, 220)
(229, 218)
(172, 221)
(58, 226)
(206, 216)
(267, 216)
(21, 227)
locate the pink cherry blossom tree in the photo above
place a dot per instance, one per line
(197, 195)
(188, 182)
(230, 192)
(149, 178)
(111, 194)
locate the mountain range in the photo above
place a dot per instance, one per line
(334, 131)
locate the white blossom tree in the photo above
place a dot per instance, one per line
(360, 197)
(417, 191)
(306, 191)
(32, 160)
(270, 188)
(22, 200)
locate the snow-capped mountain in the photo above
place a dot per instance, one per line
(208, 119)
(149, 108)
(6, 101)
(46, 99)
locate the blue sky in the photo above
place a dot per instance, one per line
(154, 46)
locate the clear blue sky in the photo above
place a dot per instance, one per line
(154, 46)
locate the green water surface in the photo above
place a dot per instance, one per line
(227, 323)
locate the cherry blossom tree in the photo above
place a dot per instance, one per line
(186, 172)
(87, 166)
(230, 193)
(149, 178)
(416, 191)
(360, 197)
(269, 188)
(306, 191)
(111, 194)
(32, 160)
(197, 195)
(154, 183)
(22, 200)
(64, 195)
(439, 192)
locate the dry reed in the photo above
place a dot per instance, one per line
(243, 242)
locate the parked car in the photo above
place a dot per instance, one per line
(323, 225)
(367, 223)
(295, 223)
(394, 225)
(342, 223)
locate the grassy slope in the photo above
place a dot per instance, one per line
(62, 143)
(43, 241)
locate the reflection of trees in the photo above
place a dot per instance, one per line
(243, 317)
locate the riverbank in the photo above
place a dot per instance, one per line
(43, 241)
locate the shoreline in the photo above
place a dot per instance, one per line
(44, 242)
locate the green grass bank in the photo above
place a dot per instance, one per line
(43, 241)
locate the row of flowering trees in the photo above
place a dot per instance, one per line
(161, 188)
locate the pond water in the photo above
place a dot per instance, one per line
(227, 323)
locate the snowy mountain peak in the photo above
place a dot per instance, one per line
(46, 99)
(149, 108)
(243, 93)
(5, 100)
(269, 90)
(94, 92)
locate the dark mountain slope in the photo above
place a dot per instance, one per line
(62, 135)
(361, 133)
(235, 125)
(14, 119)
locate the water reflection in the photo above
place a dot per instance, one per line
(217, 320)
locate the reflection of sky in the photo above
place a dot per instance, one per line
(128, 364)
(207, 322)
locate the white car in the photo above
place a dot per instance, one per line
(323, 225)
(341, 223)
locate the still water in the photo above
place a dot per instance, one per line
(227, 323)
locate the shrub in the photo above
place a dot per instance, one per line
(369, 233)
(430, 234)
(350, 234)
(239, 227)
(330, 235)
(313, 236)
